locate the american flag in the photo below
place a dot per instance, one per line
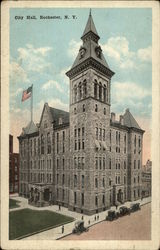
(27, 94)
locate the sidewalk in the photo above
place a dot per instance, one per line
(56, 233)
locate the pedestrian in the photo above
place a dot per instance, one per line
(82, 217)
(59, 207)
(95, 218)
(89, 222)
(62, 229)
(116, 206)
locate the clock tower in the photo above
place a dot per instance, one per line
(90, 78)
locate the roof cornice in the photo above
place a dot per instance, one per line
(89, 62)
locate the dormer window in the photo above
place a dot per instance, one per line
(82, 52)
(98, 51)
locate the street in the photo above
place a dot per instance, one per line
(136, 226)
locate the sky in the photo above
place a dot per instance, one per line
(42, 50)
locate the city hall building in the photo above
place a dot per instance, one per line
(84, 159)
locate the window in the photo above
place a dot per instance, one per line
(82, 143)
(110, 164)
(84, 88)
(125, 144)
(57, 163)
(95, 89)
(75, 132)
(100, 91)
(63, 135)
(96, 183)
(100, 163)
(138, 164)
(103, 199)
(79, 132)
(134, 180)
(57, 178)
(100, 134)
(104, 93)
(96, 163)
(63, 179)
(103, 183)
(75, 94)
(48, 144)
(75, 111)
(57, 193)
(75, 198)
(96, 108)
(118, 179)
(103, 134)
(124, 179)
(63, 194)
(42, 144)
(82, 181)
(110, 182)
(75, 180)
(75, 162)
(83, 162)
(79, 162)
(82, 131)
(75, 145)
(104, 111)
(80, 91)
(104, 163)
(134, 164)
(84, 109)
(82, 199)
(138, 178)
(124, 165)
(63, 163)
(57, 143)
(79, 144)
(96, 200)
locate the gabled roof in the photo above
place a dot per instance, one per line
(57, 114)
(90, 26)
(130, 121)
(30, 129)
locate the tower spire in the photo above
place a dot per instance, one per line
(90, 12)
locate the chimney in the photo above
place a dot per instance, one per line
(121, 119)
(113, 116)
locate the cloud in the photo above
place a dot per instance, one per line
(145, 55)
(34, 59)
(131, 95)
(17, 73)
(74, 47)
(52, 84)
(128, 90)
(118, 49)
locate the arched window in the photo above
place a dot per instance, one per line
(104, 93)
(84, 88)
(80, 91)
(75, 93)
(100, 91)
(48, 143)
(95, 88)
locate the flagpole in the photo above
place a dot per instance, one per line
(32, 104)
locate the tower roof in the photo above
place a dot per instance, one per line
(90, 52)
(130, 121)
(90, 26)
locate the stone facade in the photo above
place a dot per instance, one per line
(85, 160)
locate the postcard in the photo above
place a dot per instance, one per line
(80, 125)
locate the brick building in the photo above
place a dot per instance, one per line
(13, 168)
(83, 159)
(147, 179)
